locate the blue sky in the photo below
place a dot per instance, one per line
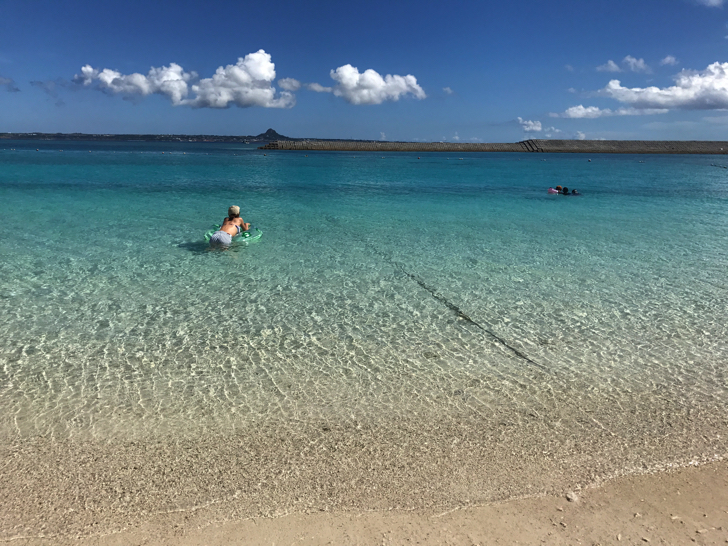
(393, 70)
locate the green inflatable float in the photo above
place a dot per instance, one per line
(253, 234)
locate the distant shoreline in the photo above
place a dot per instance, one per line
(132, 138)
(275, 141)
(530, 146)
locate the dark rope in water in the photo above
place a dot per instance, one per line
(459, 312)
(442, 299)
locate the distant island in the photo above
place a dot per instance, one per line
(275, 141)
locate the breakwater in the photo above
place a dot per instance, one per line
(532, 145)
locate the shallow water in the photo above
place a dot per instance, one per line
(398, 293)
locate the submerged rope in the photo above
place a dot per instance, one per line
(442, 299)
(459, 312)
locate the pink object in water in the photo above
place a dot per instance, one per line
(551, 190)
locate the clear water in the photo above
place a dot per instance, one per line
(416, 288)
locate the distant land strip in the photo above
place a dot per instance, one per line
(534, 145)
(268, 136)
(276, 141)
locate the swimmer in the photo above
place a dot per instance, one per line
(231, 226)
(565, 191)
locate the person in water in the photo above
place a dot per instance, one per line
(231, 226)
(574, 192)
(565, 191)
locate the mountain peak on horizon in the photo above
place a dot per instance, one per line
(271, 134)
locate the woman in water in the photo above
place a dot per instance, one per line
(231, 226)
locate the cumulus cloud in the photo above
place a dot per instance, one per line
(447, 91)
(693, 90)
(244, 84)
(529, 126)
(591, 112)
(289, 84)
(318, 88)
(609, 66)
(382, 136)
(580, 136)
(9, 85)
(711, 3)
(668, 61)
(170, 81)
(369, 87)
(636, 65)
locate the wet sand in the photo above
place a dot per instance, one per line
(359, 481)
(685, 506)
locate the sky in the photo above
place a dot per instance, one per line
(396, 70)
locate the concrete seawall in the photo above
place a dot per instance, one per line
(535, 145)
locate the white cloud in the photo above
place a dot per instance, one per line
(529, 126)
(369, 87)
(711, 3)
(448, 91)
(569, 67)
(246, 83)
(318, 88)
(580, 112)
(289, 84)
(704, 90)
(382, 136)
(636, 65)
(170, 81)
(456, 138)
(668, 61)
(609, 66)
(580, 135)
(591, 112)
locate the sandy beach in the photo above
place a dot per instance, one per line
(433, 483)
(685, 506)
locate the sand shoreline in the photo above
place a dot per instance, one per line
(91, 488)
(684, 506)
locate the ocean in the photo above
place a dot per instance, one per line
(412, 329)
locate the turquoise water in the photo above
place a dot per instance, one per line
(408, 286)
